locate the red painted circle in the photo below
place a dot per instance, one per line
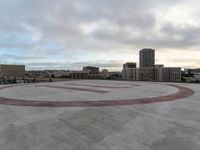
(182, 93)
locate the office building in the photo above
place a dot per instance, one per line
(149, 71)
(129, 71)
(147, 58)
(146, 74)
(129, 65)
(91, 69)
(78, 75)
(129, 74)
(104, 74)
(12, 70)
(169, 74)
(93, 72)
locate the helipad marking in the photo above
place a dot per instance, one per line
(118, 83)
(73, 88)
(182, 93)
(99, 86)
(10, 86)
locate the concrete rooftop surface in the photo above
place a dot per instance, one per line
(100, 115)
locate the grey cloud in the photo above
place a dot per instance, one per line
(182, 36)
(60, 21)
(120, 23)
(18, 57)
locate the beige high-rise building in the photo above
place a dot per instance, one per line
(12, 70)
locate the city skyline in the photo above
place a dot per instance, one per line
(70, 34)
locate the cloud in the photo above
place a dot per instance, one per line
(82, 31)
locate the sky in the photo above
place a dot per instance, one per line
(70, 34)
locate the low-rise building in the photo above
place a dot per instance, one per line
(70, 74)
(91, 69)
(129, 74)
(129, 65)
(129, 71)
(146, 74)
(115, 75)
(12, 70)
(78, 75)
(169, 74)
(104, 74)
(93, 72)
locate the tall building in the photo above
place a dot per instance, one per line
(148, 71)
(147, 57)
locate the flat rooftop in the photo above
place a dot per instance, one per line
(100, 115)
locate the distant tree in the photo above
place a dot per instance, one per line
(190, 74)
(14, 81)
(4, 81)
(34, 80)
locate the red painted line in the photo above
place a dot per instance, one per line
(73, 88)
(10, 86)
(182, 93)
(121, 84)
(99, 86)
